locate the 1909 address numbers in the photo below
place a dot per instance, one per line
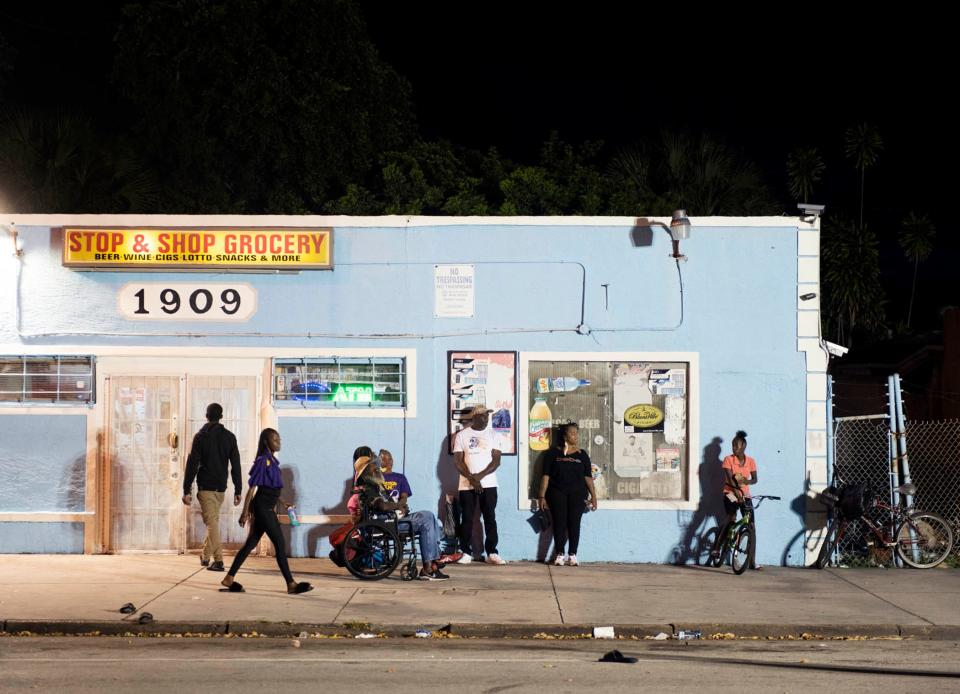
(182, 301)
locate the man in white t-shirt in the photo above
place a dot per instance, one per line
(476, 455)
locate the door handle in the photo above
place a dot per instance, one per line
(173, 440)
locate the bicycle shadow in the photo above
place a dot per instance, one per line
(807, 540)
(695, 544)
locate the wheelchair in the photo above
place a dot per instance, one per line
(379, 543)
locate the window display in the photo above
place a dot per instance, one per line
(633, 423)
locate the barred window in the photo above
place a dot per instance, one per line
(340, 382)
(54, 379)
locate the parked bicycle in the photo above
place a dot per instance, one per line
(920, 538)
(740, 539)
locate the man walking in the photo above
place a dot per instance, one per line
(476, 455)
(213, 447)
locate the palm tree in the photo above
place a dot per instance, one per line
(58, 162)
(916, 240)
(804, 168)
(851, 272)
(708, 177)
(863, 145)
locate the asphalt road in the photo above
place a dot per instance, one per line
(115, 664)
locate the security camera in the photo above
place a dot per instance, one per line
(835, 350)
(810, 210)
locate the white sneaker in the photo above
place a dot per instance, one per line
(559, 561)
(572, 560)
(495, 559)
(465, 559)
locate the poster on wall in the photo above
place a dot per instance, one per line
(650, 413)
(484, 378)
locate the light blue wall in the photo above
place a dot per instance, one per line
(43, 462)
(739, 314)
(41, 538)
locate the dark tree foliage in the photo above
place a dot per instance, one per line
(257, 105)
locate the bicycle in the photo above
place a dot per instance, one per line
(921, 539)
(740, 540)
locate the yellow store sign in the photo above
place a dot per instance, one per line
(146, 248)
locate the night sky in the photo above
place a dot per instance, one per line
(508, 74)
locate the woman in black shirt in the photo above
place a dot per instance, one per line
(567, 477)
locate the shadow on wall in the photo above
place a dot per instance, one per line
(73, 490)
(811, 530)
(319, 532)
(448, 479)
(695, 544)
(545, 538)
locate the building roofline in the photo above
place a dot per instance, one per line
(386, 221)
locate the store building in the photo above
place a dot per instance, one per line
(117, 331)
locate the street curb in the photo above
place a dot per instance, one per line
(717, 631)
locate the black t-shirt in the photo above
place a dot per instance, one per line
(567, 471)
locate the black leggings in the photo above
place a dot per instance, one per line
(566, 512)
(264, 520)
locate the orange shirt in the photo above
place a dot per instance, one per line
(747, 468)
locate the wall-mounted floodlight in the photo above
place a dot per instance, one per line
(679, 229)
(810, 212)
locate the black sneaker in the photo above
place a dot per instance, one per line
(216, 566)
(204, 562)
(435, 575)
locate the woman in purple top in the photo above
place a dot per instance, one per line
(259, 508)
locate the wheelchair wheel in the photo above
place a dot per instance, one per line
(371, 550)
(408, 572)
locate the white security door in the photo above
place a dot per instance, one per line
(239, 396)
(145, 463)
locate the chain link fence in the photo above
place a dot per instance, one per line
(862, 456)
(933, 454)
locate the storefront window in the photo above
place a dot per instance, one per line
(340, 382)
(58, 379)
(633, 423)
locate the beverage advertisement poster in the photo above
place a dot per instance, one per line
(488, 379)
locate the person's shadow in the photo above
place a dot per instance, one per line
(692, 545)
(448, 479)
(318, 532)
(545, 537)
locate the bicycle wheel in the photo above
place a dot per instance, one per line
(743, 548)
(924, 540)
(715, 556)
(829, 544)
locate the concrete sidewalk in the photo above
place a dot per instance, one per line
(80, 594)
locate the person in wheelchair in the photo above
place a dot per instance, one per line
(398, 489)
(369, 483)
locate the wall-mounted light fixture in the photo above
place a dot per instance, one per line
(679, 229)
(810, 212)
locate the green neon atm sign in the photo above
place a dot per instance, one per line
(353, 392)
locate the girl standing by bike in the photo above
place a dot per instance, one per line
(740, 471)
